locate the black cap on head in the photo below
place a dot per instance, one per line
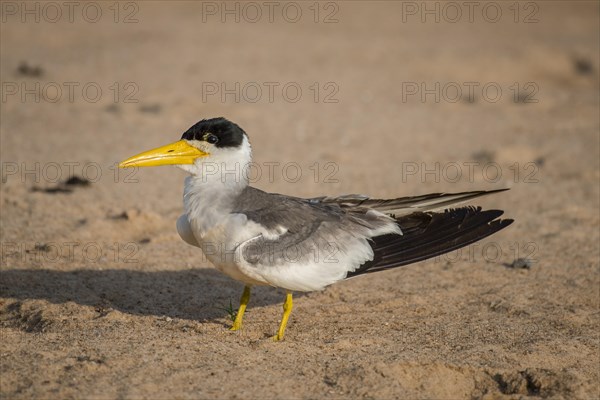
(217, 131)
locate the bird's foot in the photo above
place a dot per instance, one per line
(237, 323)
(277, 338)
(287, 310)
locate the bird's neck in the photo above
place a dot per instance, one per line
(208, 203)
(209, 196)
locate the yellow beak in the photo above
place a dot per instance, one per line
(172, 154)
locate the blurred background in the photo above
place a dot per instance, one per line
(383, 98)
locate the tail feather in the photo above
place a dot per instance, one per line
(429, 234)
(405, 205)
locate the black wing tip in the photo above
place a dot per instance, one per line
(496, 225)
(467, 213)
(497, 190)
(447, 231)
(508, 221)
(505, 222)
(473, 192)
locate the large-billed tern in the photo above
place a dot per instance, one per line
(298, 244)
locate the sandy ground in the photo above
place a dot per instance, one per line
(99, 297)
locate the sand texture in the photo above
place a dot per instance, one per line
(101, 299)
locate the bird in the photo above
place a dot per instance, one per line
(303, 244)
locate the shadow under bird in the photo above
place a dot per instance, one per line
(299, 244)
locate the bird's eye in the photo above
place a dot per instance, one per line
(212, 139)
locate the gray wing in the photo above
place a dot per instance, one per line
(313, 229)
(356, 235)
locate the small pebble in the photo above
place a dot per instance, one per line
(521, 263)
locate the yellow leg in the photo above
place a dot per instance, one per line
(237, 324)
(287, 310)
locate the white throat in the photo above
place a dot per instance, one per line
(214, 184)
